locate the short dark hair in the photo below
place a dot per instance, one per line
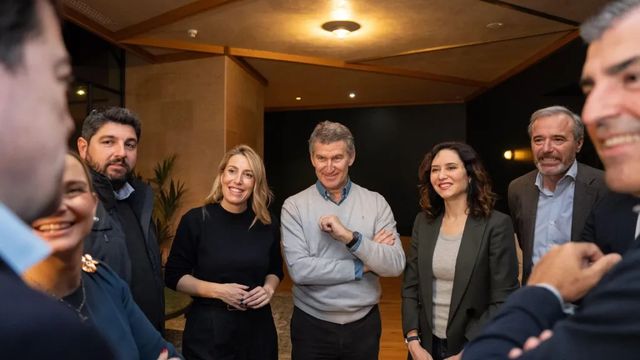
(480, 197)
(98, 117)
(18, 22)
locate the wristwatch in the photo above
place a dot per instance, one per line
(411, 338)
(354, 239)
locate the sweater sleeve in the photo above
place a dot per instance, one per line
(182, 258)
(382, 259)
(304, 268)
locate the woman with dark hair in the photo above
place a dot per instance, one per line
(462, 261)
(226, 255)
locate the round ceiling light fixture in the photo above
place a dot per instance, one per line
(341, 28)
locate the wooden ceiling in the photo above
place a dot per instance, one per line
(406, 51)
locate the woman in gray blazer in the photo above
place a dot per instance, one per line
(462, 261)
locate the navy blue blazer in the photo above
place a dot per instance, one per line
(612, 223)
(606, 326)
(34, 326)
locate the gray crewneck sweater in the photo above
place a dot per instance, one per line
(322, 268)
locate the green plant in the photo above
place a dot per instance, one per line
(169, 195)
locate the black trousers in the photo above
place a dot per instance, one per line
(214, 332)
(312, 338)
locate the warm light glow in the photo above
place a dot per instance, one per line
(523, 154)
(298, 98)
(352, 95)
(341, 33)
(81, 92)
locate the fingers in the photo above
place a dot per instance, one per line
(546, 335)
(531, 343)
(515, 353)
(259, 298)
(601, 266)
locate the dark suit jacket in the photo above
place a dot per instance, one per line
(34, 326)
(612, 223)
(523, 205)
(606, 326)
(486, 273)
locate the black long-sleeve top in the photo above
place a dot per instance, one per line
(215, 245)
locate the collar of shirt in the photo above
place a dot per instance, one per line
(124, 192)
(571, 173)
(327, 196)
(19, 247)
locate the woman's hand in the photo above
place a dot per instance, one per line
(418, 352)
(259, 297)
(233, 294)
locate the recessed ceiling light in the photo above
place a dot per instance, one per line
(352, 95)
(495, 25)
(298, 98)
(192, 33)
(341, 28)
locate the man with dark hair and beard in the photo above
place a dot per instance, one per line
(123, 234)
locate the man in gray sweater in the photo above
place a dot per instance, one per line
(338, 238)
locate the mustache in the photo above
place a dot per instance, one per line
(122, 162)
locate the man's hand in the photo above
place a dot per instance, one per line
(530, 344)
(385, 237)
(332, 225)
(573, 269)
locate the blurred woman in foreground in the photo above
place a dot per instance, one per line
(89, 288)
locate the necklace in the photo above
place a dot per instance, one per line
(78, 309)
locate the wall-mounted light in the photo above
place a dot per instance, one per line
(81, 91)
(341, 28)
(298, 98)
(523, 154)
(352, 95)
(192, 33)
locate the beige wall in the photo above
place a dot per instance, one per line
(245, 109)
(195, 109)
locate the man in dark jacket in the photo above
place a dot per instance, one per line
(123, 235)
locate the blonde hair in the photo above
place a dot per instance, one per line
(261, 195)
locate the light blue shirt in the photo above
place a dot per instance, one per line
(554, 214)
(124, 192)
(19, 247)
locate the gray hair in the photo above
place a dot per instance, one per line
(592, 29)
(578, 126)
(328, 132)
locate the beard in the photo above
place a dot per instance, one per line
(117, 182)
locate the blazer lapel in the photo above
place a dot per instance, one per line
(426, 270)
(582, 199)
(530, 208)
(470, 245)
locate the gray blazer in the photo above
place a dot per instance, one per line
(486, 273)
(523, 205)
